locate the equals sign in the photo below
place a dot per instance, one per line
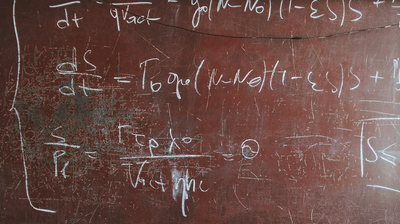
(122, 79)
(228, 157)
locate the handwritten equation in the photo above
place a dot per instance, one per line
(178, 106)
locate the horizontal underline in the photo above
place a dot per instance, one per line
(165, 157)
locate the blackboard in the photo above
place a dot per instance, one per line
(201, 111)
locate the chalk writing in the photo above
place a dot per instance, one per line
(187, 106)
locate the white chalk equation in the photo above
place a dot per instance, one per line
(273, 77)
(183, 118)
(380, 151)
(135, 12)
(143, 153)
(315, 9)
(269, 77)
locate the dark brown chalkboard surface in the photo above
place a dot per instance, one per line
(201, 111)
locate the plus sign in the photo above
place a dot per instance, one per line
(378, 2)
(376, 77)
